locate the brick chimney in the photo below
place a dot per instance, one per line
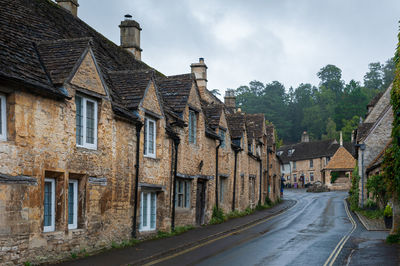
(305, 137)
(230, 100)
(130, 36)
(200, 72)
(69, 5)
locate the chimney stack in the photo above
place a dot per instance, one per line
(305, 137)
(200, 72)
(230, 100)
(341, 139)
(69, 5)
(130, 36)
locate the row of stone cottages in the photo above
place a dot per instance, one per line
(96, 146)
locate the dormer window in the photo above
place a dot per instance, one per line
(149, 149)
(86, 122)
(192, 126)
(3, 118)
(279, 153)
(290, 152)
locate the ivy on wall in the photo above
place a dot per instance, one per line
(391, 163)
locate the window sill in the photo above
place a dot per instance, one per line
(182, 210)
(86, 149)
(152, 158)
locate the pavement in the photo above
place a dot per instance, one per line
(371, 224)
(153, 249)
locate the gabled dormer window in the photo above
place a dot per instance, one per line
(192, 126)
(290, 152)
(86, 122)
(3, 117)
(149, 137)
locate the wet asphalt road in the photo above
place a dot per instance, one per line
(304, 235)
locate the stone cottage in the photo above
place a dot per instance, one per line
(96, 146)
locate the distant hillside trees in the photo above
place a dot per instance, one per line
(322, 110)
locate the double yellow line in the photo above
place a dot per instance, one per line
(335, 253)
(218, 238)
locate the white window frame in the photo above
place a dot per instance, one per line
(192, 127)
(148, 227)
(52, 226)
(146, 149)
(74, 224)
(92, 146)
(3, 110)
(222, 187)
(294, 165)
(311, 163)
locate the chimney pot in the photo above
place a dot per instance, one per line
(130, 36)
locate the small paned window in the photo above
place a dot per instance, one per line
(192, 126)
(148, 211)
(294, 165)
(3, 118)
(294, 177)
(182, 193)
(73, 204)
(86, 122)
(222, 136)
(49, 204)
(311, 177)
(149, 137)
(311, 163)
(327, 160)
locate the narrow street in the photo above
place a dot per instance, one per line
(304, 235)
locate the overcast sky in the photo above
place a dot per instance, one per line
(284, 40)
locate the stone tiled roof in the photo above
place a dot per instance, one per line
(213, 114)
(254, 125)
(375, 99)
(28, 28)
(59, 57)
(131, 85)
(342, 159)
(175, 90)
(236, 124)
(377, 161)
(362, 130)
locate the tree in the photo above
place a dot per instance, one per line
(373, 79)
(215, 92)
(331, 132)
(388, 73)
(331, 78)
(349, 126)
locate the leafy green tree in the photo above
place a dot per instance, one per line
(388, 73)
(349, 126)
(331, 78)
(331, 132)
(373, 79)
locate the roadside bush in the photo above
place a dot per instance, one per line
(370, 205)
(217, 216)
(377, 186)
(268, 201)
(334, 176)
(393, 239)
(354, 191)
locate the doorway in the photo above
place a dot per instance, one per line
(200, 202)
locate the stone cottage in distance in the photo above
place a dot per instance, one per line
(96, 146)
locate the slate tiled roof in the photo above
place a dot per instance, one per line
(363, 130)
(175, 90)
(308, 150)
(341, 160)
(27, 23)
(236, 124)
(375, 99)
(59, 57)
(255, 125)
(131, 85)
(213, 114)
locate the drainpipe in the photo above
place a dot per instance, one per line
(362, 148)
(176, 146)
(259, 200)
(216, 173)
(138, 129)
(268, 149)
(236, 150)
